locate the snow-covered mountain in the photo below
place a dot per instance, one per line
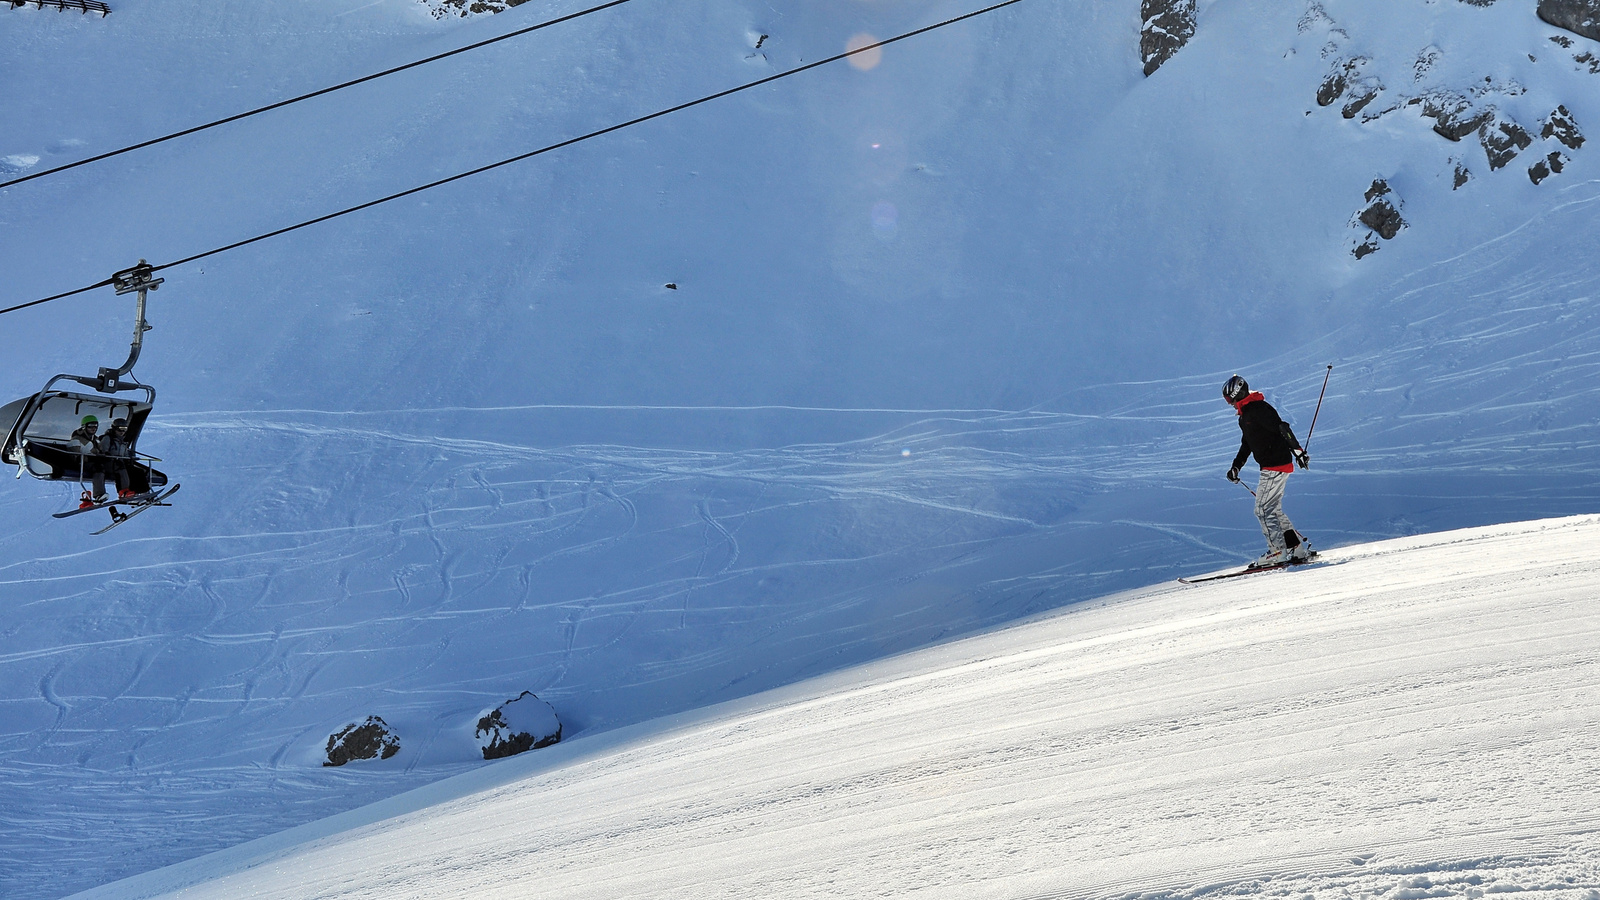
(943, 352)
(1413, 718)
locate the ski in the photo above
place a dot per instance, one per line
(1249, 571)
(139, 508)
(114, 501)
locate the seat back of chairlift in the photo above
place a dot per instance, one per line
(43, 445)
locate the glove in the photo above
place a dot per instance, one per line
(1233, 474)
(1302, 458)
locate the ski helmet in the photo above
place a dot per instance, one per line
(1235, 390)
(89, 420)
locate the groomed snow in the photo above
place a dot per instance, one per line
(1412, 718)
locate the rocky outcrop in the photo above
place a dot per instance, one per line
(371, 739)
(1382, 217)
(1502, 140)
(1333, 87)
(1454, 116)
(1580, 17)
(522, 723)
(1168, 25)
(1360, 98)
(1347, 80)
(1458, 96)
(1550, 165)
(1563, 128)
(464, 8)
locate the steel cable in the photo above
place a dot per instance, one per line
(542, 150)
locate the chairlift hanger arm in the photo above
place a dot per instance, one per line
(137, 278)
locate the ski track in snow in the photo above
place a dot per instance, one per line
(487, 567)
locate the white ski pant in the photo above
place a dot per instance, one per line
(1269, 508)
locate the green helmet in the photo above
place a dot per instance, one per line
(89, 420)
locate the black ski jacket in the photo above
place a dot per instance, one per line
(1265, 435)
(110, 445)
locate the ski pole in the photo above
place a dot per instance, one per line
(1314, 415)
(1246, 487)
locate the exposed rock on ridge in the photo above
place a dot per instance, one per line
(1550, 165)
(522, 723)
(1347, 77)
(1382, 217)
(371, 739)
(1502, 140)
(1577, 16)
(464, 8)
(1168, 25)
(1561, 126)
(1438, 83)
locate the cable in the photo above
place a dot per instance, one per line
(56, 297)
(557, 146)
(327, 90)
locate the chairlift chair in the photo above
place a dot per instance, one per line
(38, 429)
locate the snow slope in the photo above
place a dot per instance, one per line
(1413, 718)
(944, 354)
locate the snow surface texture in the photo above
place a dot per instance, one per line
(945, 352)
(1412, 718)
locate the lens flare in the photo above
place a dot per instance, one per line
(885, 219)
(866, 59)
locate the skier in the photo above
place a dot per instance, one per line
(103, 455)
(118, 459)
(1277, 451)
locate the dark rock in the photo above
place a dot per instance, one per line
(1550, 165)
(371, 739)
(1561, 40)
(1346, 75)
(442, 8)
(1580, 17)
(1478, 2)
(1502, 141)
(1314, 17)
(1561, 126)
(1168, 26)
(1383, 218)
(1332, 88)
(1366, 94)
(522, 723)
(1454, 116)
(1462, 177)
(1381, 214)
(1425, 61)
(1366, 248)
